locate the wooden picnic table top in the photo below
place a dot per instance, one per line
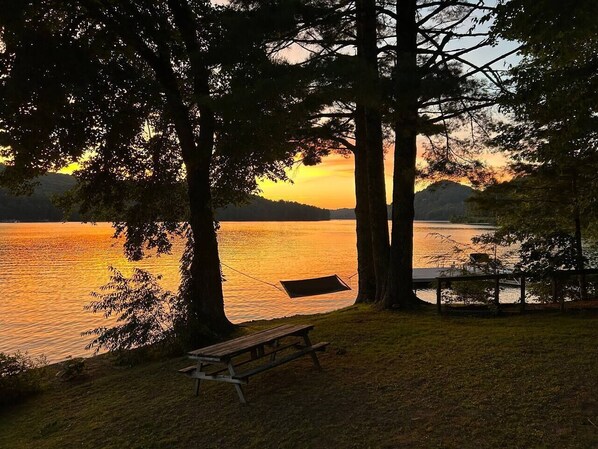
(234, 347)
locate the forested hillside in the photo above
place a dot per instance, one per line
(39, 206)
(444, 200)
(261, 209)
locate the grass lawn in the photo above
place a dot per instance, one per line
(390, 380)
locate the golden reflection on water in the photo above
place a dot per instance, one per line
(47, 271)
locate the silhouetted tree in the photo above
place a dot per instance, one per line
(343, 47)
(413, 71)
(437, 91)
(552, 132)
(172, 108)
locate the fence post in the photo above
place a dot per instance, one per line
(555, 292)
(439, 295)
(522, 285)
(497, 290)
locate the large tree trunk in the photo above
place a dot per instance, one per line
(378, 208)
(365, 259)
(407, 85)
(204, 296)
(372, 139)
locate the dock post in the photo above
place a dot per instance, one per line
(439, 295)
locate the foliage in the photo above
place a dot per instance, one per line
(537, 216)
(470, 293)
(457, 255)
(144, 313)
(20, 376)
(170, 109)
(93, 87)
(551, 133)
(569, 288)
(454, 92)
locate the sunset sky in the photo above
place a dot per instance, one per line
(331, 184)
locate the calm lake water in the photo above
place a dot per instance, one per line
(47, 271)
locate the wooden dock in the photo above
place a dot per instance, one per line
(426, 277)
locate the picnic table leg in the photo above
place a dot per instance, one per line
(275, 345)
(314, 357)
(199, 367)
(231, 370)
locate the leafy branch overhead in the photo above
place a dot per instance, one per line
(550, 134)
(170, 109)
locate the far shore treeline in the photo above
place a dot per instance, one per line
(443, 200)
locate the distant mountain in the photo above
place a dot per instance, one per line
(261, 209)
(443, 200)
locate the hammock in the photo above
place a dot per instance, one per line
(314, 286)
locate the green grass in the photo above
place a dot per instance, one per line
(408, 380)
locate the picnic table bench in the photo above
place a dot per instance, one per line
(220, 362)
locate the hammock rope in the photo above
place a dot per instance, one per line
(253, 277)
(271, 284)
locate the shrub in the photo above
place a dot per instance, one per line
(146, 314)
(20, 376)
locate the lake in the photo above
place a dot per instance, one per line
(47, 271)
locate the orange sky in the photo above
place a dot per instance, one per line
(331, 184)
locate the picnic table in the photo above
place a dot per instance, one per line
(221, 362)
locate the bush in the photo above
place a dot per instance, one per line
(471, 292)
(20, 376)
(569, 288)
(145, 313)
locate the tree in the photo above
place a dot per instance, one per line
(538, 212)
(370, 142)
(412, 73)
(342, 49)
(152, 99)
(440, 92)
(552, 131)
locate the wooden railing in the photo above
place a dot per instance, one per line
(556, 278)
